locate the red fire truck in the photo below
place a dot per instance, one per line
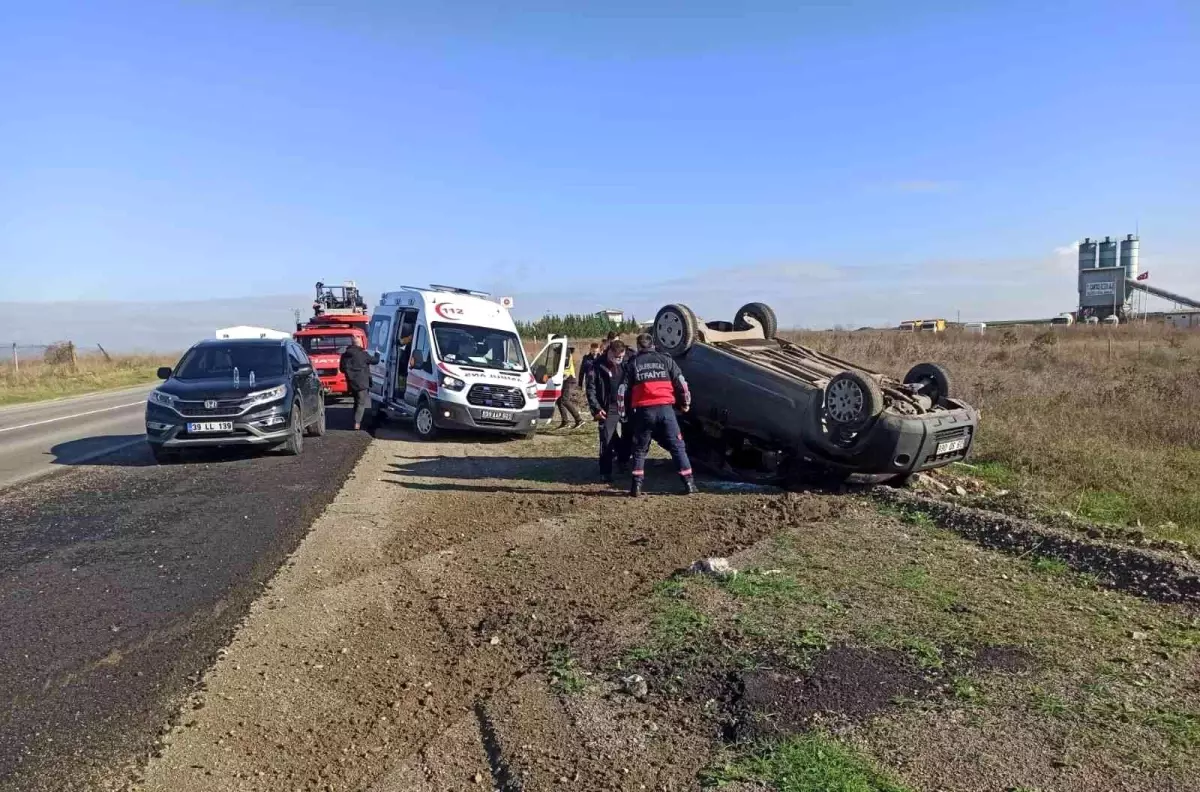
(339, 315)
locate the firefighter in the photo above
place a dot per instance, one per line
(651, 387)
(603, 386)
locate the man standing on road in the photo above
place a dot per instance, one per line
(651, 387)
(603, 385)
(356, 365)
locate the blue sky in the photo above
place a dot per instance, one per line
(858, 163)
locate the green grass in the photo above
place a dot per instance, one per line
(37, 381)
(1106, 506)
(564, 671)
(807, 763)
(993, 472)
(1050, 566)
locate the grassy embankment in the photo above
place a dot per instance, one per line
(37, 380)
(1103, 422)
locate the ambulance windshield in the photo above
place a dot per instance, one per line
(482, 347)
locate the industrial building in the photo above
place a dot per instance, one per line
(1109, 274)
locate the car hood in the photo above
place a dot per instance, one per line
(223, 388)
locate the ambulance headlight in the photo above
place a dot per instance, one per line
(453, 383)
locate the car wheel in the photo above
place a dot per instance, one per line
(759, 312)
(423, 421)
(675, 329)
(162, 456)
(295, 442)
(317, 428)
(934, 378)
(852, 399)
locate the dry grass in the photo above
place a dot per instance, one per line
(38, 380)
(1102, 421)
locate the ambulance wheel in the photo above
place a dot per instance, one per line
(674, 329)
(759, 312)
(423, 421)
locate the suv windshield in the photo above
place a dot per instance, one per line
(329, 344)
(217, 361)
(484, 347)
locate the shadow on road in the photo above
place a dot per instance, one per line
(132, 451)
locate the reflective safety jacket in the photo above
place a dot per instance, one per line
(653, 379)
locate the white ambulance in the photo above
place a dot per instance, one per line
(451, 358)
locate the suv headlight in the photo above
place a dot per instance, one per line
(453, 383)
(264, 396)
(164, 399)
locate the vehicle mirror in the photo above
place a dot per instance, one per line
(164, 372)
(304, 368)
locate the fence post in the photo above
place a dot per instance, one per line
(74, 360)
(107, 357)
(16, 361)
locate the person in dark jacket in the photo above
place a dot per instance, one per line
(356, 365)
(603, 385)
(651, 388)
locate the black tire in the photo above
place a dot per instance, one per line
(852, 399)
(936, 380)
(295, 442)
(163, 456)
(674, 329)
(317, 427)
(761, 313)
(423, 422)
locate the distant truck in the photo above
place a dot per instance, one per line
(339, 316)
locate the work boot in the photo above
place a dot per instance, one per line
(689, 485)
(578, 423)
(635, 489)
(357, 427)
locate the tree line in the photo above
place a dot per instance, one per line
(575, 326)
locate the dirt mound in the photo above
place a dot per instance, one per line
(845, 684)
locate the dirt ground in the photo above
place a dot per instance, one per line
(467, 615)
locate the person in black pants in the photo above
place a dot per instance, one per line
(651, 387)
(356, 365)
(603, 385)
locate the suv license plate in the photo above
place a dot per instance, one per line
(494, 415)
(211, 426)
(951, 446)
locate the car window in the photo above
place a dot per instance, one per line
(299, 358)
(213, 361)
(420, 353)
(326, 343)
(378, 335)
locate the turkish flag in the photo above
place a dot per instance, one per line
(1144, 276)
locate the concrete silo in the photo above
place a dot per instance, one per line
(1129, 256)
(1108, 253)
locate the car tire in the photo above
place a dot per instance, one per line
(852, 399)
(295, 442)
(163, 456)
(317, 427)
(423, 421)
(931, 374)
(674, 329)
(759, 312)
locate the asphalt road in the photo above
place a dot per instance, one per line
(35, 438)
(120, 580)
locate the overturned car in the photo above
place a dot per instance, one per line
(763, 406)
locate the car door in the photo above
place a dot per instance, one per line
(405, 336)
(547, 369)
(421, 374)
(304, 380)
(379, 342)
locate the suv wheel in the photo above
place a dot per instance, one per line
(851, 399)
(295, 442)
(674, 329)
(423, 421)
(317, 427)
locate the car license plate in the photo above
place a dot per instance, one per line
(951, 446)
(211, 426)
(494, 415)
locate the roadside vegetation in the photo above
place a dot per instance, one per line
(574, 326)
(1102, 422)
(875, 652)
(56, 376)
